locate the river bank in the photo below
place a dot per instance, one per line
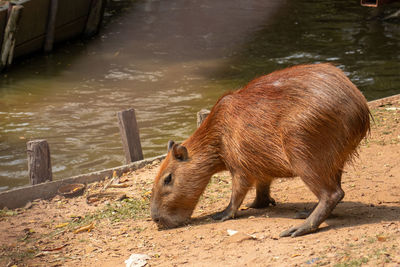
(111, 220)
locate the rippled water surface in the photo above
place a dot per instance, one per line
(169, 59)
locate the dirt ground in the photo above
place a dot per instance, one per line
(105, 229)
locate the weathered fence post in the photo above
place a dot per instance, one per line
(51, 25)
(4, 7)
(130, 135)
(96, 13)
(39, 164)
(201, 116)
(7, 49)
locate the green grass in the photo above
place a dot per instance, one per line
(114, 212)
(6, 213)
(353, 262)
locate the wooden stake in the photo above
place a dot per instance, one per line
(7, 50)
(39, 164)
(130, 135)
(95, 17)
(51, 25)
(201, 116)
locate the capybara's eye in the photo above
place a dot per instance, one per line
(168, 179)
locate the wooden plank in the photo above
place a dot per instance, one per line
(95, 17)
(18, 197)
(32, 27)
(10, 33)
(51, 25)
(70, 30)
(39, 163)
(130, 135)
(71, 19)
(71, 10)
(3, 19)
(201, 116)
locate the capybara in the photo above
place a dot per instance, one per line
(304, 121)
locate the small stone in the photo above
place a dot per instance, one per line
(240, 237)
(382, 238)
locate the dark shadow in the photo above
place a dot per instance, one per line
(346, 214)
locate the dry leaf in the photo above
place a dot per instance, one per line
(54, 249)
(86, 228)
(118, 185)
(61, 225)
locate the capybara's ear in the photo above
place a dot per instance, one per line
(180, 152)
(171, 143)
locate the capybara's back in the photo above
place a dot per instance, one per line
(302, 121)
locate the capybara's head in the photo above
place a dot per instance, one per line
(174, 195)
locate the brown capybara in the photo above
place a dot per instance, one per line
(302, 121)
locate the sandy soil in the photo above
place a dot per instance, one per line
(364, 229)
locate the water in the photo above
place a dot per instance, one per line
(169, 59)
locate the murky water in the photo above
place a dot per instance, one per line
(169, 59)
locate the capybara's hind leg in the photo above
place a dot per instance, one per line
(239, 191)
(328, 199)
(263, 198)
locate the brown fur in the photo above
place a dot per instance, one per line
(302, 121)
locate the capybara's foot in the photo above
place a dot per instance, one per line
(299, 230)
(223, 215)
(262, 203)
(303, 214)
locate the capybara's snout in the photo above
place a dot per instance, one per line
(166, 221)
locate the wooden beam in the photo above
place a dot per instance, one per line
(39, 164)
(51, 25)
(130, 135)
(7, 49)
(96, 13)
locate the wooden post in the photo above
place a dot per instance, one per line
(7, 49)
(130, 135)
(201, 116)
(95, 17)
(51, 24)
(4, 7)
(39, 164)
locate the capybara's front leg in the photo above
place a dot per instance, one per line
(263, 198)
(324, 208)
(239, 190)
